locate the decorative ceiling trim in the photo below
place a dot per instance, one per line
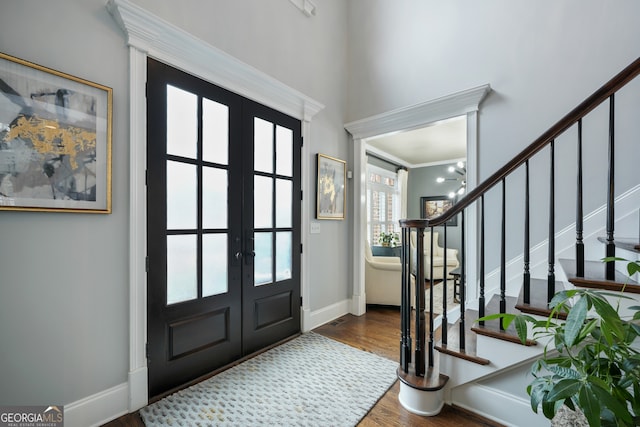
(166, 42)
(418, 115)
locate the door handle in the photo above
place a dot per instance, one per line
(249, 252)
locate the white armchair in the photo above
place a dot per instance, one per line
(382, 278)
(438, 256)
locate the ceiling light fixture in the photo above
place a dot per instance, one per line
(460, 169)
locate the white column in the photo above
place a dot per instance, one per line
(359, 300)
(138, 375)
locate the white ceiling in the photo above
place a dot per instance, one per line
(438, 143)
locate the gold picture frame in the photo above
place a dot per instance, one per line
(331, 190)
(55, 140)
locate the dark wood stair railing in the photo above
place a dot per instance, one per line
(413, 369)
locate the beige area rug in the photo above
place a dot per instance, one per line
(308, 381)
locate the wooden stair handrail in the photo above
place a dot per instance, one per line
(584, 108)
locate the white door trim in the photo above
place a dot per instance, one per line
(149, 36)
(465, 103)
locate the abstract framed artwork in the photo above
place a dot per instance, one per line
(434, 206)
(55, 140)
(331, 190)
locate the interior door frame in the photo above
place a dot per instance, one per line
(150, 36)
(464, 103)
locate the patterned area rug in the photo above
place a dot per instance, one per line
(308, 381)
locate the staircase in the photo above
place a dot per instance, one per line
(483, 366)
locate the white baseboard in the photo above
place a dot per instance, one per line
(497, 406)
(138, 389)
(317, 318)
(99, 408)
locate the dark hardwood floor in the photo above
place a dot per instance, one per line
(378, 331)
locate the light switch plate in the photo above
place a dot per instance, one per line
(315, 228)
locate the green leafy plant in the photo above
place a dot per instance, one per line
(389, 239)
(591, 361)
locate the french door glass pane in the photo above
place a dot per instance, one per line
(214, 197)
(284, 151)
(284, 190)
(283, 255)
(182, 122)
(215, 132)
(182, 277)
(263, 245)
(263, 202)
(181, 195)
(214, 264)
(263, 145)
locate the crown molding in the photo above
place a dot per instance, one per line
(418, 115)
(168, 43)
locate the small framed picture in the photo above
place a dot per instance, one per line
(434, 206)
(55, 140)
(331, 190)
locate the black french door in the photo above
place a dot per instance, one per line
(223, 227)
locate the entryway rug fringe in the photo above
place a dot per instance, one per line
(308, 381)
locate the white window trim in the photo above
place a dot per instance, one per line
(149, 36)
(374, 186)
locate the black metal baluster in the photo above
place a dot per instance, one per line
(551, 275)
(445, 273)
(462, 284)
(526, 280)
(503, 255)
(481, 302)
(611, 248)
(405, 305)
(419, 355)
(579, 210)
(431, 339)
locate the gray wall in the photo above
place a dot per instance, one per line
(64, 302)
(540, 58)
(64, 278)
(421, 183)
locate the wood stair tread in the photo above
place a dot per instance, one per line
(491, 328)
(453, 348)
(431, 381)
(626, 243)
(538, 304)
(594, 277)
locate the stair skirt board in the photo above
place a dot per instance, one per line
(497, 406)
(626, 225)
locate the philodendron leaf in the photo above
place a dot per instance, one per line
(537, 392)
(565, 372)
(575, 321)
(633, 268)
(587, 329)
(590, 407)
(521, 329)
(561, 297)
(614, 405)
(563, 389)
(549, 409)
